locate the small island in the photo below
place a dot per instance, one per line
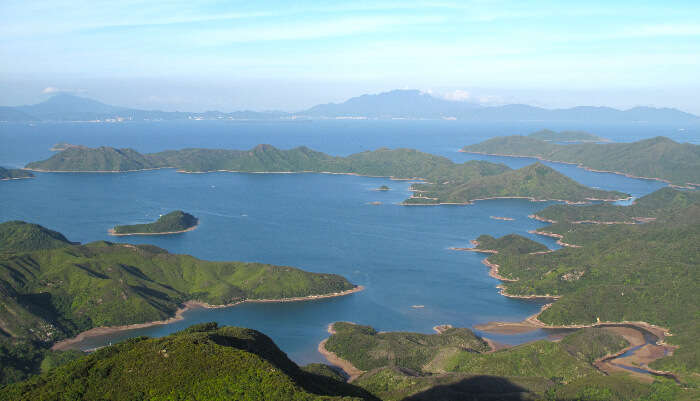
(172, 223)
(14, 174)
(383, 188)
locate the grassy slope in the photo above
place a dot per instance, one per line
(18, 236)
(658, 157)
(103, 284)
(367, 349)
(184, 366)
(10, 173)
(455, 364)
(454, 182)
(535, 181)
(644, 272)
(171, 222)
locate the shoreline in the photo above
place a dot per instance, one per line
(112, 233)
(688, 185)
(347, 367)
(557, 236)
(15, 178)
(530, 198)
(187, 306)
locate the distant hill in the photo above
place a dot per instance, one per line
(410, 104)
(565, 136)
(173, 222)
(415, 104)
(660, 157)
(67, 107)
(203, 362)
(14, 173)
(450, 182)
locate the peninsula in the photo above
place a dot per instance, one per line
(642, 274)
(657, 158)
(446, 181)
(14, 174)
(54, 289)
(172, 223)
(457, 364)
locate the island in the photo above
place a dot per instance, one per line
(53, 290)
(635, 267)
(189, 364)
(383, 188)
(657, 158)
(14, 174)
(457, 364)
(566, 136)
(172, 223)
(443, 180)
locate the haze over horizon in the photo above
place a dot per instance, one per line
(208, 55)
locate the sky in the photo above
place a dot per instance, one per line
(289, 55)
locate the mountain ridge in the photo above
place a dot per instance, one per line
(399, 103)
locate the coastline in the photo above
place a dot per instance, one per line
(186, 306)
(335, 360)
(530, 198)
(557, 236)
(113, 233)
(688, 185)
(16, 178)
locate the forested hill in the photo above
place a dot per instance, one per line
(660, 157)
(621, 272)
(51, 289)
(203, 362)
(455, 183)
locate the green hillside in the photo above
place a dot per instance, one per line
(14, 173)
(203, 362)
(168, 223)
(51, 289)
(536, 181)
(18, 236)
(81, 158)
(660, 157)
(653, 205)
(642, 272)
(510, 243)
(565, 136)
(458, 365)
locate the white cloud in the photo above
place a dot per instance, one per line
(457, 95)
(52, 89)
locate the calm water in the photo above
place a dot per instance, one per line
(316, 222)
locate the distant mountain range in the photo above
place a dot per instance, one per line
(401, 104)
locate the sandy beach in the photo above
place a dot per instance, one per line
(347, 367)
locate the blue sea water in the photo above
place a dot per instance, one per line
(316, 222)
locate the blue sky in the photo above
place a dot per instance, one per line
(227, 55)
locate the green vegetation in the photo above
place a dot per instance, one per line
(565, 136)
(536, 181)
(656, 204)
(60, 289)
(452, 182)
(383, 188)
(204, 362)
(367, 349)
(458, 365)
(641, 272)
(660, 157)
(169, 223)
(14, 173)
(510, 243)
(18, 236)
